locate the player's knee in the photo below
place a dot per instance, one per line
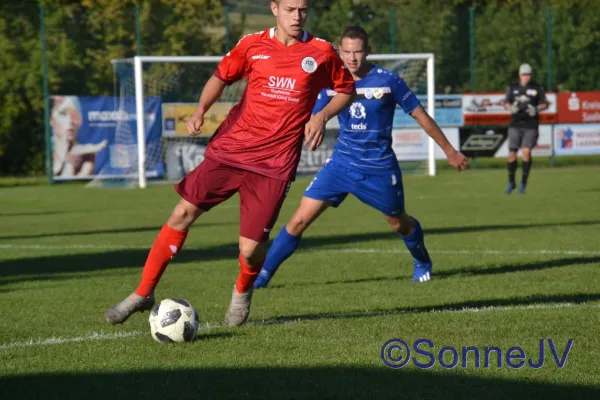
(251, 251)
(297, 225)
(395, 224)
(526, 152)
(402, 224)
(183, 216)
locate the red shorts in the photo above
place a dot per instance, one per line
(261, 197)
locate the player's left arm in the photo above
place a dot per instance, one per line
(340, 81)
(412, 106)
(455, 158)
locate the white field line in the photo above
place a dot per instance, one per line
(70, 246)
(89, 338)
(354, 250)
(96, 336)
(483, 251)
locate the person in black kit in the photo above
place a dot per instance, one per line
(524, 100)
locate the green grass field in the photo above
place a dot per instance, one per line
(508, 271)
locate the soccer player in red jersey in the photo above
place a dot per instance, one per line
(255, 151)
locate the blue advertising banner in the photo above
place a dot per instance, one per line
(92, 137)
(448, 112)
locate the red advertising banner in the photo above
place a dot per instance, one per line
(488, 109)
(577, 107)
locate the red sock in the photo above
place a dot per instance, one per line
(248, 275)
(166, 245)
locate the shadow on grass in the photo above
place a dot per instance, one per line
(32, 213)
(463, 272)
(41, 268)
(515, 302)
(509, 268)
(310, 241)
(136, 229)
(283, 383)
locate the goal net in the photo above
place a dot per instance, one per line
(153, 145)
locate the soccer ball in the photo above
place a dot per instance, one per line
(174, 320)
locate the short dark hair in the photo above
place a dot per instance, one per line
(356, 32)
(277, 2)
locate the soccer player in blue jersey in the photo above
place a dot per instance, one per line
(363, 162)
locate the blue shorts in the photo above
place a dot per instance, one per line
(382, 192)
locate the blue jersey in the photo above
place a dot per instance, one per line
(365, 139)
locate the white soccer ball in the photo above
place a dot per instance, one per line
(174, 320)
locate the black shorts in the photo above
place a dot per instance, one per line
(519, 138)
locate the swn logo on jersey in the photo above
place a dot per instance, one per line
(282, 83)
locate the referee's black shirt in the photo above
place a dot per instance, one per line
(532, 94)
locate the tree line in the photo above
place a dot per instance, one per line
(82, 36)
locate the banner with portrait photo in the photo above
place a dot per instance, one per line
(93, 138)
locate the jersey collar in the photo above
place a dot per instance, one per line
(304, 34)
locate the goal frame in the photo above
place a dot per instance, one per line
(138, 62)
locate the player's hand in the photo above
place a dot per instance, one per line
(514, 108)
(194, 124)
(457, 160)
(314, 131)
(532, 110)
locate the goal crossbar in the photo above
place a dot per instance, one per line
(138, 62)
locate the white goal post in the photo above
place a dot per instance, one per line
(138, 63)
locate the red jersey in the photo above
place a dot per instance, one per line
(264, 132)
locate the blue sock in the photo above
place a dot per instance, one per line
(282, 247)
(416, 244)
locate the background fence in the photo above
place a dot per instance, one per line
(65, 47)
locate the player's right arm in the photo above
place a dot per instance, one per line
(314, 130)
(322, 101)
(211, 93)
(232, 68)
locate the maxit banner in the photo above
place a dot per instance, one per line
(96, 137)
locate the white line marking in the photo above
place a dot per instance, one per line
(354, 250)
(375, 313)
(497, 252)
(383, 313)
(69, 246)
(54, 340)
